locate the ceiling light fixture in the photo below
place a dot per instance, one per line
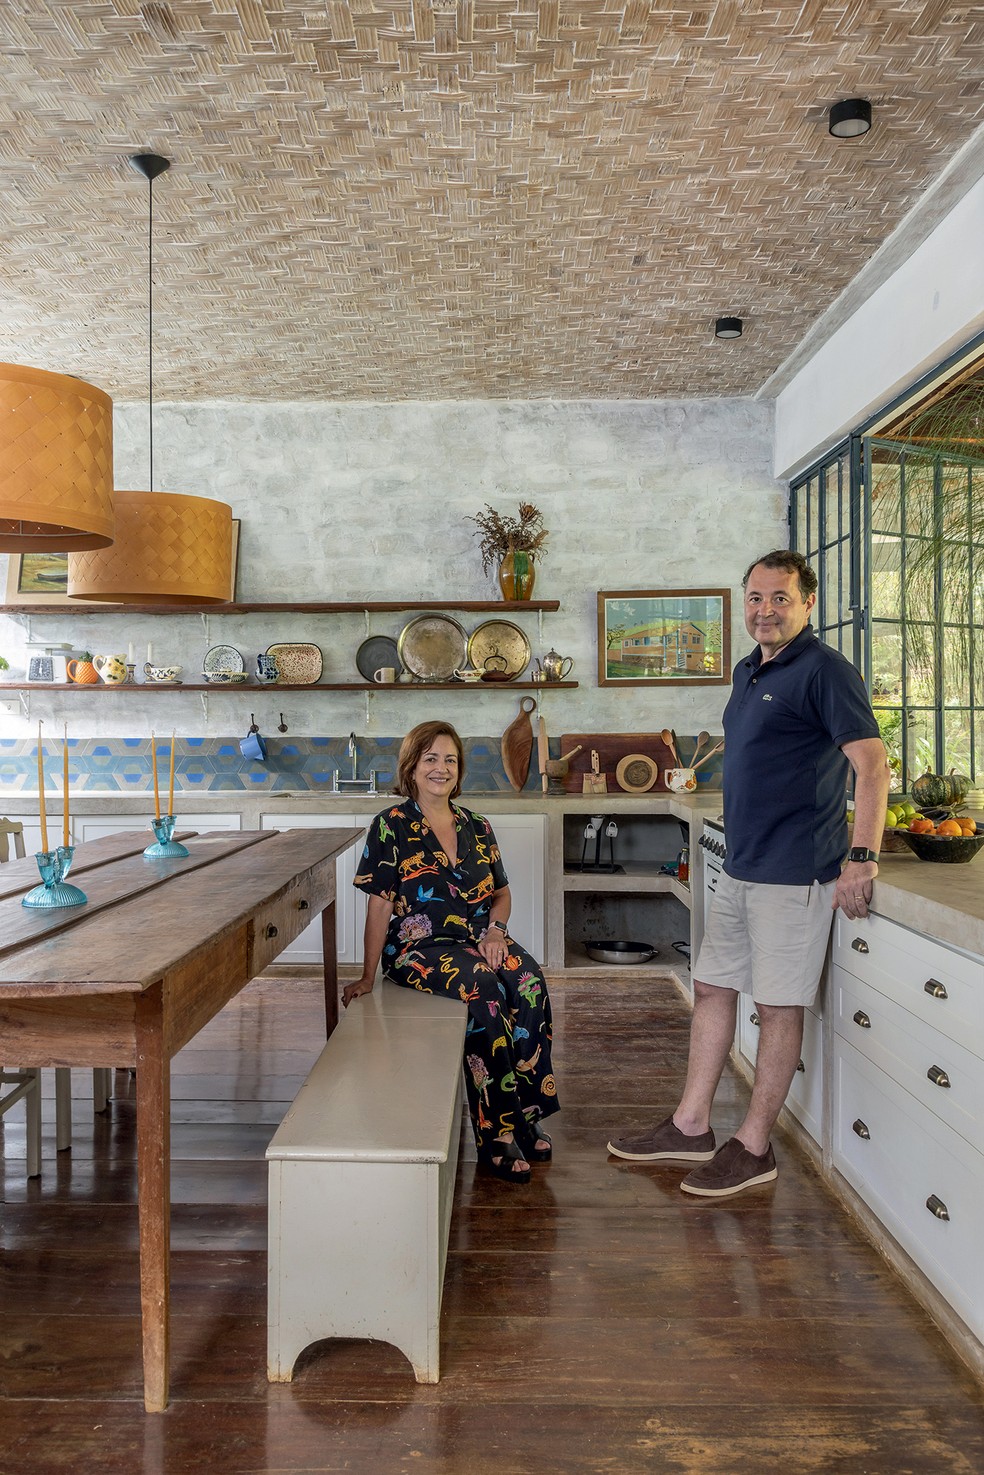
(56, 462)
(850, 118)
(728, 328)
(170, 548)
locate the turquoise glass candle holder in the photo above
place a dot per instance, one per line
(164, 847)
(54, 891)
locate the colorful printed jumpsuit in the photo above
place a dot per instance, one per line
(439, 913)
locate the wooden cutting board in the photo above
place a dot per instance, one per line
(517, 745)
(611, 747)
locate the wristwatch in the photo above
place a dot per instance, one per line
(501, 926)
(858, 853)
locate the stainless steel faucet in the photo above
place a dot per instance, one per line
(341, 785)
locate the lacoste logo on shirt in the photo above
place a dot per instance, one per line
(766, 697)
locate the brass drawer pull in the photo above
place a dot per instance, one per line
(860, 946)
(934, 987)
(862, 1019)
(303, 906)
(938, 1207)
(754, 1019)
(272, 931)
(861, 1130)
(938, 1077)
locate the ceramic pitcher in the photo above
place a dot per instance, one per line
(267, 669)
(112, 669)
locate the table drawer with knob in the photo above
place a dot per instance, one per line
(924, 1181)
(285, 918)
(937, 1071)
(941, 986)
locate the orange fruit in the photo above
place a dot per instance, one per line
(949, 827)
(921, 827)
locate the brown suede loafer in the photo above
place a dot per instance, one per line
(731, 1170)
(664, 1144)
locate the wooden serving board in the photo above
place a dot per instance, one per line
(611, 747)
(517, 744)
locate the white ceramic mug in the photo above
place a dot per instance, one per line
(680, 780)
(385, 675)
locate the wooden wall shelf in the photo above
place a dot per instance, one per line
(383, 606)
(245, 689)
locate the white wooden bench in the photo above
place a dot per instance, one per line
(361, 1176)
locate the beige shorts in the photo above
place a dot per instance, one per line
(767, 941)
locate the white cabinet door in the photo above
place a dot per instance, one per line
(522, 841)
(350, 905)
(92, 827)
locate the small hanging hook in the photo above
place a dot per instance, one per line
(281, 726)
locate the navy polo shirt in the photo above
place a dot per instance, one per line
(785, 776)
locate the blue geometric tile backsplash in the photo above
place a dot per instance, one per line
(123, 765)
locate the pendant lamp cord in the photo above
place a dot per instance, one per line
(150, 326)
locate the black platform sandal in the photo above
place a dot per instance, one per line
(507, 1153)
(529, 1135)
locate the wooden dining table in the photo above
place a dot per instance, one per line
(129, 977)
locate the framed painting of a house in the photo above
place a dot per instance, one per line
(664, 637)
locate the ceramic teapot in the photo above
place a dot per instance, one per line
(556, 667)
(112, 669)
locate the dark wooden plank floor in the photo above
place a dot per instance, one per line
(600, 1321)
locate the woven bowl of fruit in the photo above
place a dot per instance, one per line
(951, 842)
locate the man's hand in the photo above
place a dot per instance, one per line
(853, 894)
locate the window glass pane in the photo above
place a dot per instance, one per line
(890, 726)
(957, 741)
(886, 663)
(886, 589)
(885, 491)
(918, 495)
(956, 666)
(920, 744)
(920, 668)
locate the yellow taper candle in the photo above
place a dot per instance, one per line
(65, 840)
(170, 780)
(44, 812)
(153, 764)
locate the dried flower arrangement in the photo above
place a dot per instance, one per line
(504, 534)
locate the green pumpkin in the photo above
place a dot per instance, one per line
(933, 790)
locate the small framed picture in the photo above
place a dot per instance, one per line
(42, 578)
(664, 637)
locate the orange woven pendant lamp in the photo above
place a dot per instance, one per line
(170, 548)
(56, 462)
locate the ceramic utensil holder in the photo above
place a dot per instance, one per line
(54, 866)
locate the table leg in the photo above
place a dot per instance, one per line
(330, 947)
(154, 1194)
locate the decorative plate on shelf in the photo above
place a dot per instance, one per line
(222, 658)
(432, 647)
(497, 641)
(636, 773)
(299, 664)
(376, 652)
(225, 678)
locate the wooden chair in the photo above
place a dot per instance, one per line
(28, 1082)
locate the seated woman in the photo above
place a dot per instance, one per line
(438, 907)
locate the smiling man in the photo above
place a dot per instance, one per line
(798, 721)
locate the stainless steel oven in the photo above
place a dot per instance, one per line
(712, 843)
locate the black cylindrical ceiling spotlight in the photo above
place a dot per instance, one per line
(728, 328)
(850, 118)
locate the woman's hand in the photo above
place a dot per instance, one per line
(494, 947)
(356, 990)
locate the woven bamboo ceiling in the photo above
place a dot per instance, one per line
(434, 200)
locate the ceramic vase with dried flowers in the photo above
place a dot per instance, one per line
(511, 546)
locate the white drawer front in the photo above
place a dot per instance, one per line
(939, 1073)
(910, 1160)
(943, 987)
